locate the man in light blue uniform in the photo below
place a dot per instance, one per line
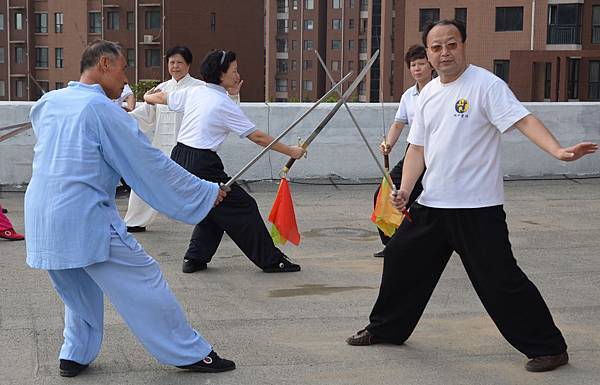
(85, 143)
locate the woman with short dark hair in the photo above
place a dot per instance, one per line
(209, 116)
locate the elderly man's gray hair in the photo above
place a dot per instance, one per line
(96, 49)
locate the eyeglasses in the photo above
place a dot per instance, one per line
(223, 56)
(436, 48)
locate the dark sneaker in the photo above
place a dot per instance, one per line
(136, 229)
(546, 363)
(210, 364)
(283, 266)
(379, 254)
(191, 265)
(363, 338)
(70, 368)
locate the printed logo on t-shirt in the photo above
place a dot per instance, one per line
(462, 107)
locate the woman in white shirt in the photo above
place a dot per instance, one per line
(209, 115)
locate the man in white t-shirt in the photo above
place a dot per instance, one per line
(456, 135)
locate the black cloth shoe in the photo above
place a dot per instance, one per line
(4, 211)
(283, 266)
(136, 229)
(546, 363)
(363, 338)
(70, 368)
(210, 364)
(191, 266)
(379, 254)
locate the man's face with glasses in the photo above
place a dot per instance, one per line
(446, 52)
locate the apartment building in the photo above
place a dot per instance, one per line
(345, 33)
(41, 40)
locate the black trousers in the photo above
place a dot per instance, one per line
(237, 215)
(396, 175)
(417, 254)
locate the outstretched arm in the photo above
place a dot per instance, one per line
(263, 139)
(535, 130)
(392, 137)
(155, 96)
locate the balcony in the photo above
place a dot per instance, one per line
(558, 34)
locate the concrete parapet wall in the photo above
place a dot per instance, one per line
(339, 150)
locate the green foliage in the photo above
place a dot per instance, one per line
(140, 88)
(333, 98)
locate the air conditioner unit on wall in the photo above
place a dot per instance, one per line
(148, 39)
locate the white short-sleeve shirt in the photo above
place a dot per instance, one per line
(459, 125)
(124, 94)
(209, 115)
(406, 109)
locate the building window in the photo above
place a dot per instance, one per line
(281, 85)
(350, 44)
(213, 22)
(1, 22)
(308, 25)
(294, 45)
(294, 85)
(307, 85)
(19, 55)
(130, 21)
(501, 68)
(548, 81)
(350, 3)
(309, 4)
(282, 6)
(596, 24)
(594, 80)
(362, 89)
(153, 19)
(19, 88)
(2, 88)
(1, 55)
(294, 65)
(362, 45)
(19, 20)
(336, 44)
(509, 19)
(152, 57)
(307, 64)
(282, 66)
(282, 45)
(59, 18)
(95, 20)
(112, 20)
(350, 23)
(364, 5)
(295, 4)
(460, 14)
(335, 65)
(428, 16)
(59, 85)
(336, 23)
(282, 26)
(573, 83)
(564, 24)
(130, 57)
(362, 26)
(41, 57)
(336, 4)
(58, 52)
(308, 44)
(41, 23)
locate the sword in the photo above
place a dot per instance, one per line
(384, 171)
(343, 99)
(227, 186)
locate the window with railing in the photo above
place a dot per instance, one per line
(564, 24)
(282, 6)
(596, 24)
(41, 23)
(594, 81)
(282, 26)
(364, 5)
(281, 85)
(573, 80)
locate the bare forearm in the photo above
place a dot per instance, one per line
(414, 164)
(394, 133)
(535, 130)
(156, 98)
(263, 139)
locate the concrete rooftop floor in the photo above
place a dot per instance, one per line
(290, 328)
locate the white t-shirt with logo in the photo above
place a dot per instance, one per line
(406, 109)
(209, 116)
(459, 125)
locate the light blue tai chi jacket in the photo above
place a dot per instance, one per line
(85, 143)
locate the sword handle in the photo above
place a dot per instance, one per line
(289, 164)
(386, 162)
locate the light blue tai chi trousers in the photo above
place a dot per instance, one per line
(134, 284)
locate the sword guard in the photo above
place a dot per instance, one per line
(224, 187)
